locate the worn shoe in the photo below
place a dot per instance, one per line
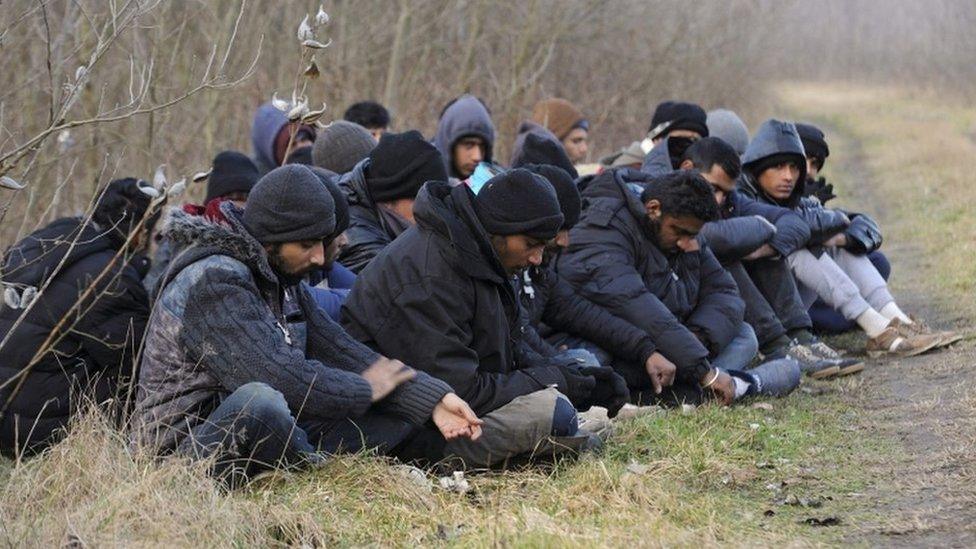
(811, 364)
(847, 366)
(918, 326)
(775, 378)
(895, 341)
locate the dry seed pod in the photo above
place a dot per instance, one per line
(305, 30)
(8, 182)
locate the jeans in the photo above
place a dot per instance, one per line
(738, 354)
(827, 320)
(759, 313)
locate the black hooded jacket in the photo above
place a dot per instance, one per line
(438, 299)
(613, 261)
(98, 342)
(780, 138)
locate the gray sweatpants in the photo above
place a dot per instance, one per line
(847, 282)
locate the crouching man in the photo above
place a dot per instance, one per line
(441, 297)
(241, 366)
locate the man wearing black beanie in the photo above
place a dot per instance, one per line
(674, 127)
(240, 366)
(381, 191)
(441, 297)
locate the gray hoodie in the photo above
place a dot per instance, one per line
(464, 117)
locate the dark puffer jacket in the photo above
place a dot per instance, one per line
(780, 138)
(613, 261)
(740, 232)
(438, 299)
(368, 231)
(553, 305)
(96, 350)
(224, 320)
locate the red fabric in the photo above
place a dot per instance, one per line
(211, 211)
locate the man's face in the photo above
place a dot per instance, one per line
(813, 167)
(577, 145)
(333, 248)
(518, 251)
(468, 151)
(673, 233)
(294, 260)
(690, 134)
(778, 181)
(720, 181)
(377, 133)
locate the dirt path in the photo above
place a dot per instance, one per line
(924, 493)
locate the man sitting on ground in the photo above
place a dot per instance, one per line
(241, 366)
(465, 136)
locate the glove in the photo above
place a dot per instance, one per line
(611, 390)
(819, 188)
(578, 386)
(863, 235)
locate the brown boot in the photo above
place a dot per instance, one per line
(897, 342)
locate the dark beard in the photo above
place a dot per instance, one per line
(285, 278)
(653, 228)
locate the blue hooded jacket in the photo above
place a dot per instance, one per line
(268, 121)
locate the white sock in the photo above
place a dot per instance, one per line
(892, 311)
(872, 322)
(741, 386)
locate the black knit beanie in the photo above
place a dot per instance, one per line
(289, 204)
(538, 150)
(400, 164)
(519, 202)
(329, 179)
(570, 202)
(814, 141)
(676, 115)
(233, 172)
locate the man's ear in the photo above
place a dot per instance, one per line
(653, 208)
(686, 164)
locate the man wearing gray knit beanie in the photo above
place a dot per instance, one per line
(341, 145)
(241, 366)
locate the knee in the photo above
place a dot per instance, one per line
(881, 263)
(260, 399)
(564, 421)
(747, 338)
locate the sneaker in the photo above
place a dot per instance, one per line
(847, 366)
(898, 342)
(811, 364)
(919, 327)
(776, 378)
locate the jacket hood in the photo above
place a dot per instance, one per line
(268, 121)
(449, 212)
(614, 190)
(353, 186)
(200, 238)
(466, 116)
(658, 161)
(773, 138)
(32, 260)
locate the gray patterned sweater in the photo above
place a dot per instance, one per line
(223, 320)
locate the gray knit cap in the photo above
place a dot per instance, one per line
(727, 126)
(341, 145)
(289, 204)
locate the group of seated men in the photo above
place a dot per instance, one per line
(350, 288)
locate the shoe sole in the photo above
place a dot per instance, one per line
(852, 369)
(913, 352)
(825, 373)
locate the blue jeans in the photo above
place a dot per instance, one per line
(738, 354)
(253, 430)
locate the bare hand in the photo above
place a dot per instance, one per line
(385, 375)
(837, 241)
(455, 419)
(689, 245)
(759, 253)
(660, 370)
(722, 389)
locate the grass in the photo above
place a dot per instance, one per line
(712, 477)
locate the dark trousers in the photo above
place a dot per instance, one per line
(775, 282)
(253, 430)
(759, 313)
(827, 320)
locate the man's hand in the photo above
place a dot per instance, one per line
(761, 252)
(455, 419)
(722, 389)
(385, 375)
(661, 371)
(836, 241)
(689, 245)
